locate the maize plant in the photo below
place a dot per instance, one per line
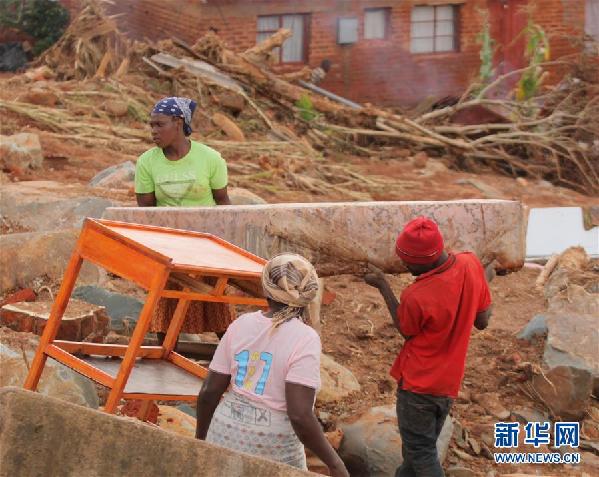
(487, 51)
(537, 51)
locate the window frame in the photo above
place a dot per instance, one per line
(305, 40)
(456, 30)
(387, 13)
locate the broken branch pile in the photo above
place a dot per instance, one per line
(554, 136)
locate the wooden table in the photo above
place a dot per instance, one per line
(150, 257)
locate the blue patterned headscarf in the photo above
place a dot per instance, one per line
(178, 107)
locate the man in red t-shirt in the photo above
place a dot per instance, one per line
(435, 316)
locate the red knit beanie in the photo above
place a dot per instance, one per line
(420, 242)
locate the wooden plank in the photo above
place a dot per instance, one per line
(75, 347)
(119, 257)
(79, 365)
(220, 286)
(162, 397)
(188, 365)
(233, 299)
(174, 328)
(151, 376)
(58, 308)
(199, 68)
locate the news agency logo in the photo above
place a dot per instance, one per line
(536, 434)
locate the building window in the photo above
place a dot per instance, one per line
(591, 14)
(376, 23)
(294, 48)
(434, 29)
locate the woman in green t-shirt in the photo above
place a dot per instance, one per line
(181, 172)
(178, 171)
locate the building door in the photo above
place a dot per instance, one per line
(508, 18)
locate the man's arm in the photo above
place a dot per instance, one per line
(221, 196)
(482, 319)
(300, 400)
(212, 390)
(377, 280)
(146, 200)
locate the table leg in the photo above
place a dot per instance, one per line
(137, 338)
(58, 308)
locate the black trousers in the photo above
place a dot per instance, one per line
(421, 418)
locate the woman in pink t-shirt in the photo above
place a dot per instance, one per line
(272, 362)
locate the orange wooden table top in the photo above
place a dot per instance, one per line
(191, 249)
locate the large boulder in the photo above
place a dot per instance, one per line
(120, 176)
(342, 237)
(20, 151)
(337, 381)
(371, 445)
(34, 207)
(566, 390)
(17, 351)
(45, 436)
(25, 257)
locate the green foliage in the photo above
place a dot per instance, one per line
(537, 51)
(44, 20)
(306, 108)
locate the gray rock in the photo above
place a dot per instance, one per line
(27, 256)
(371, 446)
(118, 307)
(20, 151)
(115, 177)
(17, 350)
(526, 415)
(53, 214)
(573, 340)
(535, 327)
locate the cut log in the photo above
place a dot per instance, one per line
(229, 127)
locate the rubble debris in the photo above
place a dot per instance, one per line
(551, 142)
(17, 351)
(25, 294)
(20, 151)
(80, 322)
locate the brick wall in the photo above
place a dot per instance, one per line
(376, 71)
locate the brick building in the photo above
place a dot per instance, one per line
(382, 51)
